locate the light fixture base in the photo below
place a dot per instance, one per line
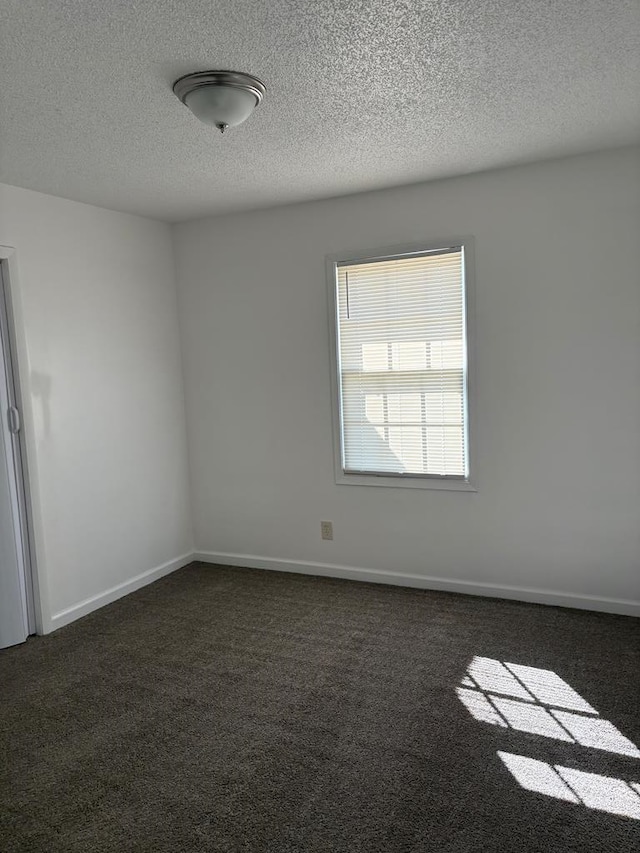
(237, 79)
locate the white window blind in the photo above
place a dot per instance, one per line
(402, 365)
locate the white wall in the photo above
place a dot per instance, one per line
(104, 410)
(558, 375)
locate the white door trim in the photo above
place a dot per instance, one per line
(37, 592)
(17, 600)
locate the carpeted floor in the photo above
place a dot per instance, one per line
(230, 709)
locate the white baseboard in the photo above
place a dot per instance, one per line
(537, 596)
(115, 592)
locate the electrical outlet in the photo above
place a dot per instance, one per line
(326, 529)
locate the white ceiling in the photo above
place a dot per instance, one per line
(361, 94)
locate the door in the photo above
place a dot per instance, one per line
(14, 599)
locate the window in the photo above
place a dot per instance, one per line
(400, 322)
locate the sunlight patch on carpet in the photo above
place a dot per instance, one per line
(539, 702)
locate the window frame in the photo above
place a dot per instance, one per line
(405, 481)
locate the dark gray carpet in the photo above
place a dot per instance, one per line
(236, 710)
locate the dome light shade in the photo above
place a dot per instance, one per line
(221, 98)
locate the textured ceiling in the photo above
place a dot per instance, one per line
(361, 94)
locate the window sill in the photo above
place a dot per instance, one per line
(436, 483)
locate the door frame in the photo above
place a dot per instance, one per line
(25, 458)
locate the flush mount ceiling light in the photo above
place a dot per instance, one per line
(221, 98)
